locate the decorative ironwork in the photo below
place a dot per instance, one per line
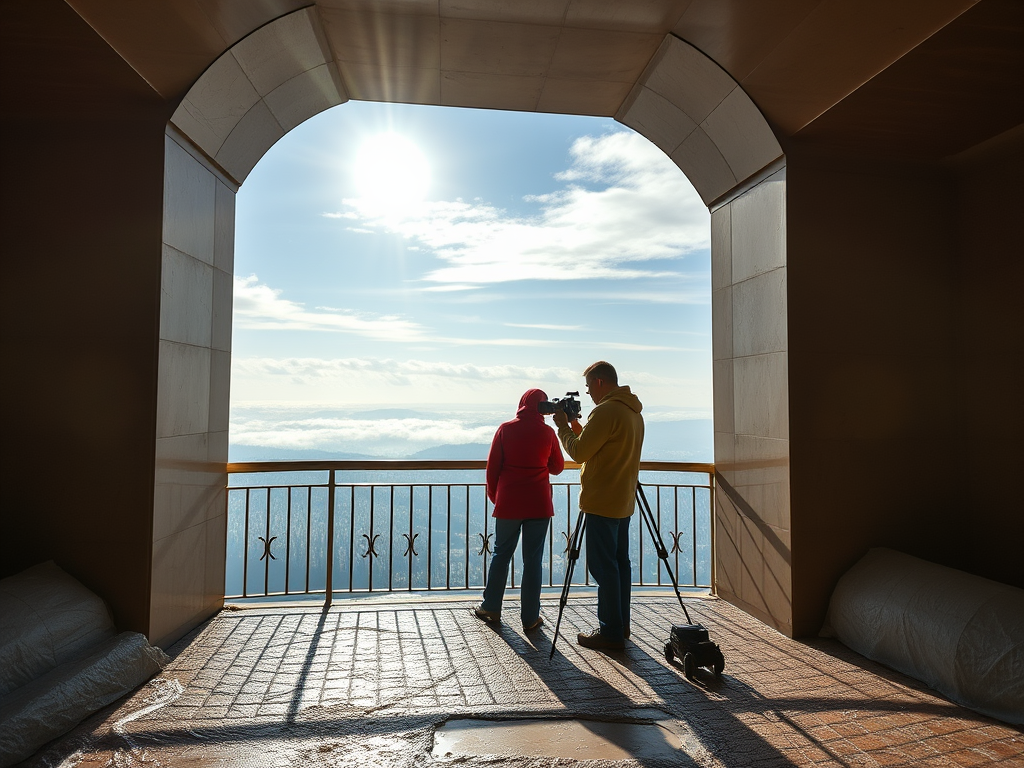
(318, 527)
(371, 545)
(266, 547)
(410, 544)
(485, 542)
(676, 535)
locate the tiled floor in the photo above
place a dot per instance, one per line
(366, 684)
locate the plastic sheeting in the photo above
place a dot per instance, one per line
(49, 618)
(961, 634)
(58, 701)
(59, 659)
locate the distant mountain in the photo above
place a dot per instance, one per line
(238, 453)
(463, 452)
(684, 440)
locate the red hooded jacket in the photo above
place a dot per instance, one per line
(524, 451)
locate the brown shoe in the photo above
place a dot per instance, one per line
(598, 641)
(485, 615)
(533, 624)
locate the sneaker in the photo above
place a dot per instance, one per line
(533, 624)
(484, 615)
(596, 640)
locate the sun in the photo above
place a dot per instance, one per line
(391, 173)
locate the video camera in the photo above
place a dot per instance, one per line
(569, 404)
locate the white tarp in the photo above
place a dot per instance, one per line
(961, 634)
(59, 659)
(56, 702)
(49, 618)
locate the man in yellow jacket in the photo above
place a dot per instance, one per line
(608, 447)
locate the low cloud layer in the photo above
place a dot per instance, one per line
(346, 382)
(397, 433)
(385, 437)
(623, 206)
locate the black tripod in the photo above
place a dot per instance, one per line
(574, 554)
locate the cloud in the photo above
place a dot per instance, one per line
(381, 437)
(641, 347)
(394, 433)
(692, 294)
(258, 306)
(623, 206)
(401, 372)
(449, 287)
(545, 327)
(424, 374)
(344, 382)
(696, 294)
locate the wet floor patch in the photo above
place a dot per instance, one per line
(574, 739)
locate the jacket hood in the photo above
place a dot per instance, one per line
(528, 403)
(624, 396)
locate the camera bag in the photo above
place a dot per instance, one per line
(690, 634)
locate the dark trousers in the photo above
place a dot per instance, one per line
(608, 562)
(506, 536)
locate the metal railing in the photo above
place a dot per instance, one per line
(325, 527)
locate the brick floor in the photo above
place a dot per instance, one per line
(366, 683)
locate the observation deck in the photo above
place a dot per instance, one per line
(369, 681)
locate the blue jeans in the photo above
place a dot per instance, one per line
(506, 536)
(608, 562)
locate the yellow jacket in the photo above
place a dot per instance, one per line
(609, 450)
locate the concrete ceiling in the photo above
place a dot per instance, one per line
(870, 75)
(974, 71)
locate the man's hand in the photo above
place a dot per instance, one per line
(560, 419)
(576, 427)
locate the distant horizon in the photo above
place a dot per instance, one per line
(431, 430)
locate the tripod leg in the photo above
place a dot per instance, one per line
(574, 554)
(659, 543)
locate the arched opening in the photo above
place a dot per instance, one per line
(284, 73)
(543, 241)
(369, 324)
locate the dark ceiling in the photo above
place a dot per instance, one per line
(920, 81)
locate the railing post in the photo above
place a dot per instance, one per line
(245, 547)
(329, 596)
(711, 509)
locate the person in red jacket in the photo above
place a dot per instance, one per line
(523, 453)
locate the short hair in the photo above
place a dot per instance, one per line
(602, 370)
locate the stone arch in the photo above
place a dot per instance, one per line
(284, 73)
(258, 90)
(700, 117)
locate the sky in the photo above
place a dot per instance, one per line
(428, 260)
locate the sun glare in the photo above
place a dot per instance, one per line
(391, 172)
